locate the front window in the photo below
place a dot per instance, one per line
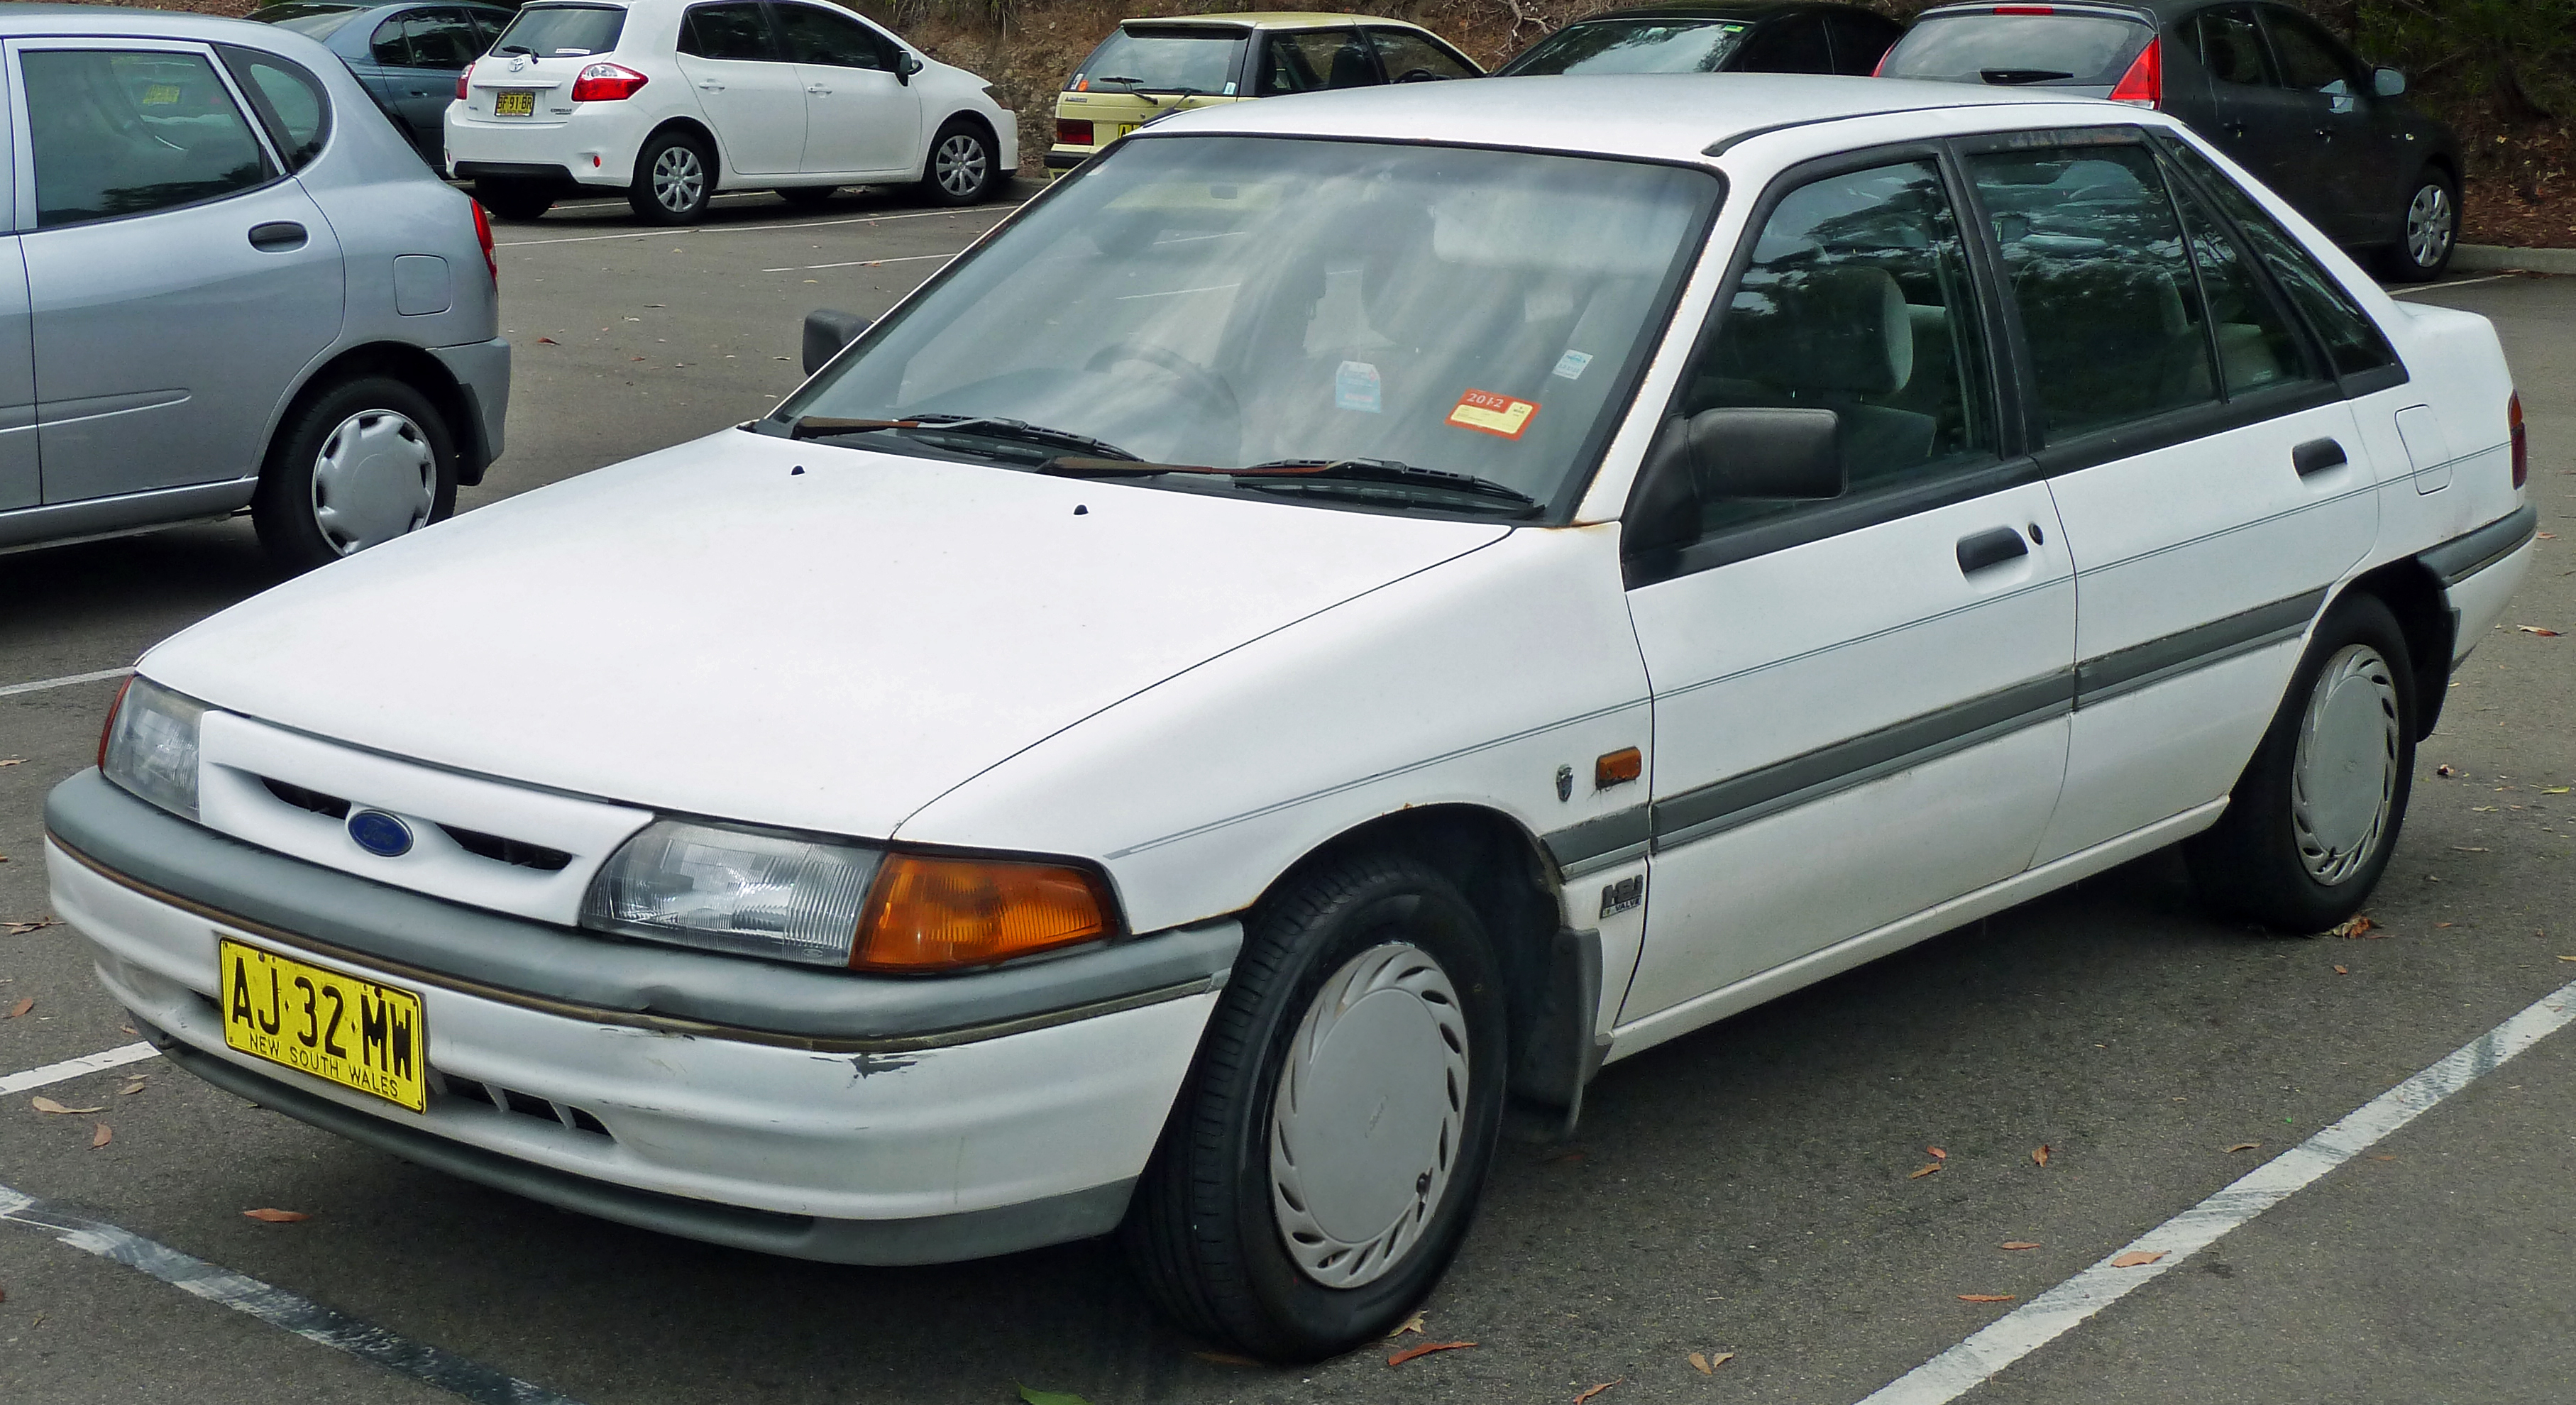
(1633, 46)
(2056, 51)
(1162, 61)
(1414, 327)
(562, 31)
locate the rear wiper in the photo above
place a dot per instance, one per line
(981, 426)
(1300, 471)
(2007, 77)
(516, 49)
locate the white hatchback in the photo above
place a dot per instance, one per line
(1341, 618)
(669, 102)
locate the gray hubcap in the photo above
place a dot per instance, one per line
(1365, 1127)
(959, 165)
(374, 480)
(2344, 781)
(679, 179)
(2429, 225)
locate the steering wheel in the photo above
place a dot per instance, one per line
(1209, 383)
(1419, 75)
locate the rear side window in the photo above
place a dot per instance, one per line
(1634, 46)
(290, 101)
(2352, 341)
(2066, 51)
(128, 132)
(439, 39)
(563, 31)
(1304, 60)
(727, 32)
(2230, 45)
(1163, 61)
(1409, 58)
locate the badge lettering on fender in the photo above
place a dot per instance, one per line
(1619, 897)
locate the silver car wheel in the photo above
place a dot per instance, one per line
(959, 165)
(679, 178)
(2429, 225)
(2343, 782)
(1366, 1122)
(375, 479)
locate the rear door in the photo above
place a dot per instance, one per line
(179, 283)
(753, 97)
(2336, 139)
(860, 118)
(19, 484)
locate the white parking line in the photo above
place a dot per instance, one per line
(276, 1306)
(65, 681)
(753, 228)
(35, 1078)
(858, 263)
(2437, 287)
(2043, 1319)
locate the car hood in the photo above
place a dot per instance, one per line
(785, 633)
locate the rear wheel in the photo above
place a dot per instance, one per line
(367, 460)
(514, 199)
(963, 167)
(808, 197)
(675, 176)
(2429, 232)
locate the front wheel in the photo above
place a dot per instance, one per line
(1323, 1161)
(2430, 230)
(675, 177)
(364, 462)
(963, 167)
(2312, 822)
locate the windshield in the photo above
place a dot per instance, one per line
(2061, 51)
(1162, 61)
(1231, 302)
(1632, 46)
(311, 21)
(562, 31)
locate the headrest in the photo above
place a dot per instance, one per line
(2099, 301)
(1843, 329)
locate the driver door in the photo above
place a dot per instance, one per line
(861, 117)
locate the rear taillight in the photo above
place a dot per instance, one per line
(606, 82)
(2521, 444)
(1072, 133)
(483, 236)
(461, 75)
(2144, 83)
(107, 728)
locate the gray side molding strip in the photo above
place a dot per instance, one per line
(2107, 676)
(2464, 556)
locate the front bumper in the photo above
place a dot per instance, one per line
(901, 1149)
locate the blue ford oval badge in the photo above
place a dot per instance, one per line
(379, 833)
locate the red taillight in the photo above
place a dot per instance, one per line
(108, 728)
(606, 82)
(483, 236)
(2521, 445)
(1069, 132)
(461, 75)
(2144, 83)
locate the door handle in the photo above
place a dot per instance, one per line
(2316, 456)
(1992, 547)
(277, 236)
(818, 90)
(711, 87)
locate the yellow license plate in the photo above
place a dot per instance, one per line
(517, 102)
(337, 1028)
(1124, 128)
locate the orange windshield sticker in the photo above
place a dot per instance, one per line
(1488, 413)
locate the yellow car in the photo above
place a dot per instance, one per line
(1150, 68)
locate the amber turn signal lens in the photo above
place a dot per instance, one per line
(928, 914)
(1618, 768)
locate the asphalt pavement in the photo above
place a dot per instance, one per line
(1753, 1189)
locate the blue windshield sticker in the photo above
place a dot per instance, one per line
(1571, 365)
(1229, 90)
(1355, 387)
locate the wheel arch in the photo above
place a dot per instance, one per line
(683, 122)
(972, 118)
(413, 367)
(2411, 592)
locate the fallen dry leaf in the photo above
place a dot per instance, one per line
(1937, 1153)
(2383, 1158)
(1718, 1360)
(2535, 629)
(1030, 1396)
(267, 1216)
(1596, 1390)
(20, 929)
(1225, 1358)
(1924, 1170)
(2554, 789)
(2444, 771)
(2039, 1154)
(42, 1103)
(2349, 927)
(2017, 1244)
(1700, 1364)
(1411, 1324)
(1424, 1350)
(2340, 971)
(130, 1089)
(548, 341)
(2567, 958)
(25, 1003)
(101, 1138)
(2137, 1258)
(1985, 1297)
(2440, 925)
(2466, 849)
(2242, 1146)
(14, 761)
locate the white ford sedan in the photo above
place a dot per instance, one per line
(1336, 621)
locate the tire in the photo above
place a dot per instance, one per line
(808, 197)
(514, 199)
(962, 167)
(2428, 230)
(1286, 1211)
(675, 177)
(2312, 822)
(364, 461)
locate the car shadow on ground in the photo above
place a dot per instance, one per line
(607, 210)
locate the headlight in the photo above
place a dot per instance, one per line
(150, 746)
(837, 903)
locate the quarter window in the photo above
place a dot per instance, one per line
(127, 132)
(1857, 300)
(288, 99)
(727, 32)
(2352, 341)
(2256, 346)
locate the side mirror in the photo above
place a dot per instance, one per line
(905, 65)
(826, 332)
(1731, 452)
(2387, 82)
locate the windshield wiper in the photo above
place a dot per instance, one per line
(2009, 77)
(1008, 431)
(1301, 472)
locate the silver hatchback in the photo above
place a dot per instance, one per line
(232, 284)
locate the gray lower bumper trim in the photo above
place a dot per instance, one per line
(936, 1239)
(483, 369)
(581, 975)
(2464, 556)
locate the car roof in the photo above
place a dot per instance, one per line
(1264, 19)
(1731, 10)
(117, 20)
(2155, 10)
(1665, 116)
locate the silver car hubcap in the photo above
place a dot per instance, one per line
(374, 480)
(1365, 1127)
(2428, 225)
(960, 165)
(2344, 781)
(678, 179)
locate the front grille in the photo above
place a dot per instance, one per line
(518, 853)
(304, 799)
(447, 1086)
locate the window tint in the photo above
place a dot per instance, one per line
(440, 39)
(1303, 60)
(1634, 46)
(125, 132)
(1859, 43)
(2309, 59)
(1857, 300)
(2097, 267)
(1163, 61)
(1792, 45)
(727, 32)
(569, 31)
(2256, 346)
(486, 29)
(2352, 341)
(287, 97)
(2230, 46)
(1407, 57)
(2044, 50)
(819, 36)
(387, 45)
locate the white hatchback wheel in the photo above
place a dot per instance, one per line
(679, 178)
(376, 479)
(1366, 1126)
(960, 165)
(2343, 784)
